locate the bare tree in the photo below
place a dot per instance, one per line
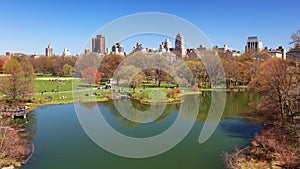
(295, 38)
(275, 81)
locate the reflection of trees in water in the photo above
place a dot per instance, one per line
(109, 107)
(28, 125)
(189, 107)
(139, 106)
(236, 107)
(89, 105)
(204, 105)
(132, 113)
(171, 108)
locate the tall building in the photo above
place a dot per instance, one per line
(253, 45)
(179, 45)
(66, 52)
(98, 44)
(49, 51)
(167, 45)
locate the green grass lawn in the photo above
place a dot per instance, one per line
(45, 85)
(70, 97)
(64, 85)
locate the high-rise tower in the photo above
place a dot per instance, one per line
(179, 45)
(98, 44)
(49, 51)
(253, 45)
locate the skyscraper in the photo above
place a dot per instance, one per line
(253, 45)
(167, 45)
(179, 45)
(49, 51)
(66, 52)
(98, 44)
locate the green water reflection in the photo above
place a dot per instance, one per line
(60, 142)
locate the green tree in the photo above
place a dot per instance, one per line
(67, 70)
(11, 84)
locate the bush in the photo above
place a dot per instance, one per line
(172, 93)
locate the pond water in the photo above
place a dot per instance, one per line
(61, 143)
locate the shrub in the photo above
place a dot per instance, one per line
(172, 93)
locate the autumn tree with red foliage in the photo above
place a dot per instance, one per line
(1, 65)
(91, 75)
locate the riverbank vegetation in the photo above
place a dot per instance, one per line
(278, 146)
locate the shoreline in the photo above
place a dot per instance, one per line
(266, 150)
(33, 106)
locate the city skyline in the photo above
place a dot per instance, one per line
(29, 27)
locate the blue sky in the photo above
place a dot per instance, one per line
(29, 26)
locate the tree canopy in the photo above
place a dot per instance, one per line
(91, 75)
(19, 80)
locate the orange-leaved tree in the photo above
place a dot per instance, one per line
(91, 75)
(1, 64)
(275, 81)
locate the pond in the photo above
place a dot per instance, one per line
(61, 143)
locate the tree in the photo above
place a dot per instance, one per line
(19, 80)
(126, 73)
(67, 70)
(58, 63)
(162, 67)
(1, 65)
(275, 81)
(91, 76)
(295, 38)
(10, 84)
(197, 69)
(43, 65)
(28, 85)
(109, 64)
